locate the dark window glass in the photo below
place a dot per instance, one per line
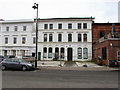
(59, 26)
(79, 25)
(24, 28)
(85, 37)
(6, 40)
(79, 53)
(102, 34)
(23, 40)
(70, 26)
(84, 25)
(45, 26)
(44, 52)
(50, 37)
(7, 28)
(79, 38)
(34, 40)
(16, 28)
(14, 40)
(50, 26)
(45, 37)
(104, 53)
(85, 53)
(59, 37)
(69, 37)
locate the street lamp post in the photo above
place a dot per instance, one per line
(36, 21)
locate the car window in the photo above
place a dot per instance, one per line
(8, 60)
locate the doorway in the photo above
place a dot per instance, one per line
(69, 54)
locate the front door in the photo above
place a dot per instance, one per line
(69, 54)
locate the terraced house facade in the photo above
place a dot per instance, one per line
(58, 38)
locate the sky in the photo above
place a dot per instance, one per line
(103, 10)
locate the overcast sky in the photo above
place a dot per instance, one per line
(102, 10)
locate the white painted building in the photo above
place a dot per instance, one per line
(17, 37)
(58, 38)
(65, 39)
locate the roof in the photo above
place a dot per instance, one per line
(18, 21)
(67, 18)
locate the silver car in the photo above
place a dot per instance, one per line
(16, 64)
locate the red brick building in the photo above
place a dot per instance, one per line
(106, 43)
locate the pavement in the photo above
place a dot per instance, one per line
(63, 65)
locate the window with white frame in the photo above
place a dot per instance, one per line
(59, 26)
(59, 37)
(84, 25)
(34, 40)
(14, 40)
(85, 37)
(45, 26)
(69, 37)
(79, 53)
(79, 25)
(7, 28)
(24, 28)
(69, 25)
(44, 52)
(50, 26)
(50, 52)
(79, 38)
(45, 37)
(50, 37)
(23, 40)
(16, 28)
(85, 53)
(6, 40)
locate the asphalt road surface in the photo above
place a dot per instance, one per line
(59, 79)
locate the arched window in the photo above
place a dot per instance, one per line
(79, 53)
(44, 52)
(62, 53)
(50, 53)
(85, 53)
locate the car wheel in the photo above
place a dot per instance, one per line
(24, 68)
(3, 67)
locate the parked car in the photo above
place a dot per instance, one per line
(16, 63)
(1, 58)
(9, 56)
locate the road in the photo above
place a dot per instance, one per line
(59, 79)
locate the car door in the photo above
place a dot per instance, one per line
(16, 64)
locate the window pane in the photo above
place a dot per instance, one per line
(50, 37)
(85, 53)
(69, 37)
(45, 37)
(44, 52)
(6, 40)
(59, 26)
(104, 53)
(14, 40)
(7, 28)
(45, 26)
(59, 37)
(23, 40)
(79, 53)
(84, 25)
(79, 38)
(102, 34)
(85, 37)
(16, 28)
(50, 53)
(24, 28)
(51, 26)
(70, 26)
(79, 25)
(34, 40)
